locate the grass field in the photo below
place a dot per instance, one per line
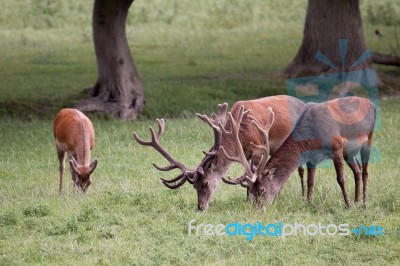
(190, 56)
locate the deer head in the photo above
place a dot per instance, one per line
(81, 174)
(206, 175)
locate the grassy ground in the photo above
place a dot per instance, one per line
(190, 56)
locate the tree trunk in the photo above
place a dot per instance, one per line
(327, 21)
(118, 91)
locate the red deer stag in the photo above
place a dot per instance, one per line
(74, 134)
(214, 165)
(338, 129)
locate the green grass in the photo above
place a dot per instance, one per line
(190, 57)
(129, 216)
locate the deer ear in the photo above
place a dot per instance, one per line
(200, 171)
(73, 165)
(93, 165)
(271, 173)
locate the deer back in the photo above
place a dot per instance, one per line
(348, 122)
(74, 133)
(286, 110)
(349, 119)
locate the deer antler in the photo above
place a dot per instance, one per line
(186, 175)
(240, 157)
(214, 124)
(263, 131)
(245, 180)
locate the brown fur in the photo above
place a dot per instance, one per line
(279, 130)
(74, 134)
(206, 176)
(286, 110)
(338, 129)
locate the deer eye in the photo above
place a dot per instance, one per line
(205, 184)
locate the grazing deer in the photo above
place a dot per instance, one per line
(74, 134)
(338, 129)
(206, 176)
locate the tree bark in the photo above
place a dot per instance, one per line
(327, 21)
(118, 91)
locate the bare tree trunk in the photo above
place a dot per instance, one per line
(118, 91)
(328, 21)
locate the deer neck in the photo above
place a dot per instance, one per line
(219, 165)
(82, 148)
(83, 154)
(289, 157)
(285, 161)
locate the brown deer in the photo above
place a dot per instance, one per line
(338, 129)
(206, 176)
(74, 134)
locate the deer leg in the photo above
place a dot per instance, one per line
(358, 163)
(61, 155)
(301, 174)
(310, 181)
(338, 163)
(365, 152)
(365, 182)
(354, 165)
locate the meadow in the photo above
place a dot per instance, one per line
(190, 57)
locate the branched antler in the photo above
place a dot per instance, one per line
(186, 175)
(240, 157)
(263, 131)
(214, 123)
(251, 172)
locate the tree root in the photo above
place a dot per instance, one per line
(111, 109)
(382, 59)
